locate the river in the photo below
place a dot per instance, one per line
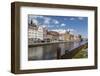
(49, 52)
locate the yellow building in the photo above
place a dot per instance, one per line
(61, 37)
(67, 36)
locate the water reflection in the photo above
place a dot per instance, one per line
(48, 52)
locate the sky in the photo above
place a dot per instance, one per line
(74, 24)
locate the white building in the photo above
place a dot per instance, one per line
(61, 37)
(39, 33)
(35, 33)
(31, 32)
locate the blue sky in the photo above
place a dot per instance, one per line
(76, 24)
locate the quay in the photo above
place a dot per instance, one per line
(71, 53)
(47, 43)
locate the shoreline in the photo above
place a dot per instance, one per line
(48, 43)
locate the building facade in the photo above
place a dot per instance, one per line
(53, 36)
(67, 36)
(61, 37)
(35, 33)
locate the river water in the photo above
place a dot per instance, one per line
(49, 52)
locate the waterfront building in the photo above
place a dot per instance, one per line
(44, 33)
(35, 32)
(71, 37)
(32, 32)
(53, 36)
(67, 36)
(61, 37)
(39, 33)
(77, 38)
(49, 36)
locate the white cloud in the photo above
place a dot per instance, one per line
(44, 26)
(55, 22)
(46, 20)
(72, 18)
(59, 30)
(63, 24)
(57, 26)
(50, 26)
(35, 21)
(70, 30)
(40, 16)
(80, 18)
(33, 17)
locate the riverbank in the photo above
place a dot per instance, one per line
(81, 54)
(55, 50)
(76, 52)
(48, 43)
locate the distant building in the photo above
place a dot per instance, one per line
(77, 38)
(49, 36)
(45, 33)
(40, 33)
(67, 36)
(61, 37)
(53, 36)
(35, 32)
(71, 37)
(31, 32)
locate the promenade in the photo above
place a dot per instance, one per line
(48, 43)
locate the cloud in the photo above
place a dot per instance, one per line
(65, 18)
(80, 18)
(40, 16)
(63, 24)
(35, 21)
(44, 26)
(33, 18)
(50, 26)
(72, 18)
(59, 30)
(55, 21)
(57, 26)
(46, 20)
(70, 30)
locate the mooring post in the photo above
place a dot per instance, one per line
(58, 53)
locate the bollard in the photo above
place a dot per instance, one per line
(58, 53)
